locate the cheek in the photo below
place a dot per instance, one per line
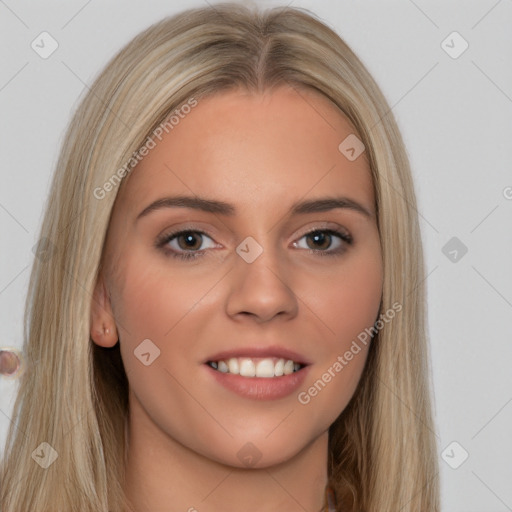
(166, 306)
(152, 300)
(162, 305)
(346, 300)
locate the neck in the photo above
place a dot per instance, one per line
(163, 475)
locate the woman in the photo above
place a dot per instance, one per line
(230, 310)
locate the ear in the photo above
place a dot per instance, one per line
(103, 327)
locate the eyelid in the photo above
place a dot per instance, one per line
(165, 238)
(328, 226)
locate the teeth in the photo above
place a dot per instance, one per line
(279, 368)
(265, 368)
(288, 367)
(233, 366)
(246, 367)
(223, 367)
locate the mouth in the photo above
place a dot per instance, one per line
(258, 372)
(250, 367)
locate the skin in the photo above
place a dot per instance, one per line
(9, 362)
(261, 153)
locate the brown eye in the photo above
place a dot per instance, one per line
(191, 240)
(325, 242)
(185, 244)
(320, 240)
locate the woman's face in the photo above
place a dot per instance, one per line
(270, 269)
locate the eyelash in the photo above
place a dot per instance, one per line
(188, 255)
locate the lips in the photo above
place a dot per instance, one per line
(257, 388)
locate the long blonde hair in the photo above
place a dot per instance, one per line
(382, 450)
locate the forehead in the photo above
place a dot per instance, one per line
(254, 148)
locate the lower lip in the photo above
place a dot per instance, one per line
(260, 388)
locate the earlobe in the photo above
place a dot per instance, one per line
(103, 327)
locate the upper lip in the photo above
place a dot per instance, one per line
(271, 351)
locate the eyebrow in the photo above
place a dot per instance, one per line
(223, 208)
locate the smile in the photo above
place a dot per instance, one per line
(266, 367)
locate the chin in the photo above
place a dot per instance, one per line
(260, 453)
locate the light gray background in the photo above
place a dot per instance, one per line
(456, 118)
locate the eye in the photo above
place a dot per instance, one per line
(189, 244)
(325, 241)
(184, 244)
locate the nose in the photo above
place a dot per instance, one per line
(261, 290)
